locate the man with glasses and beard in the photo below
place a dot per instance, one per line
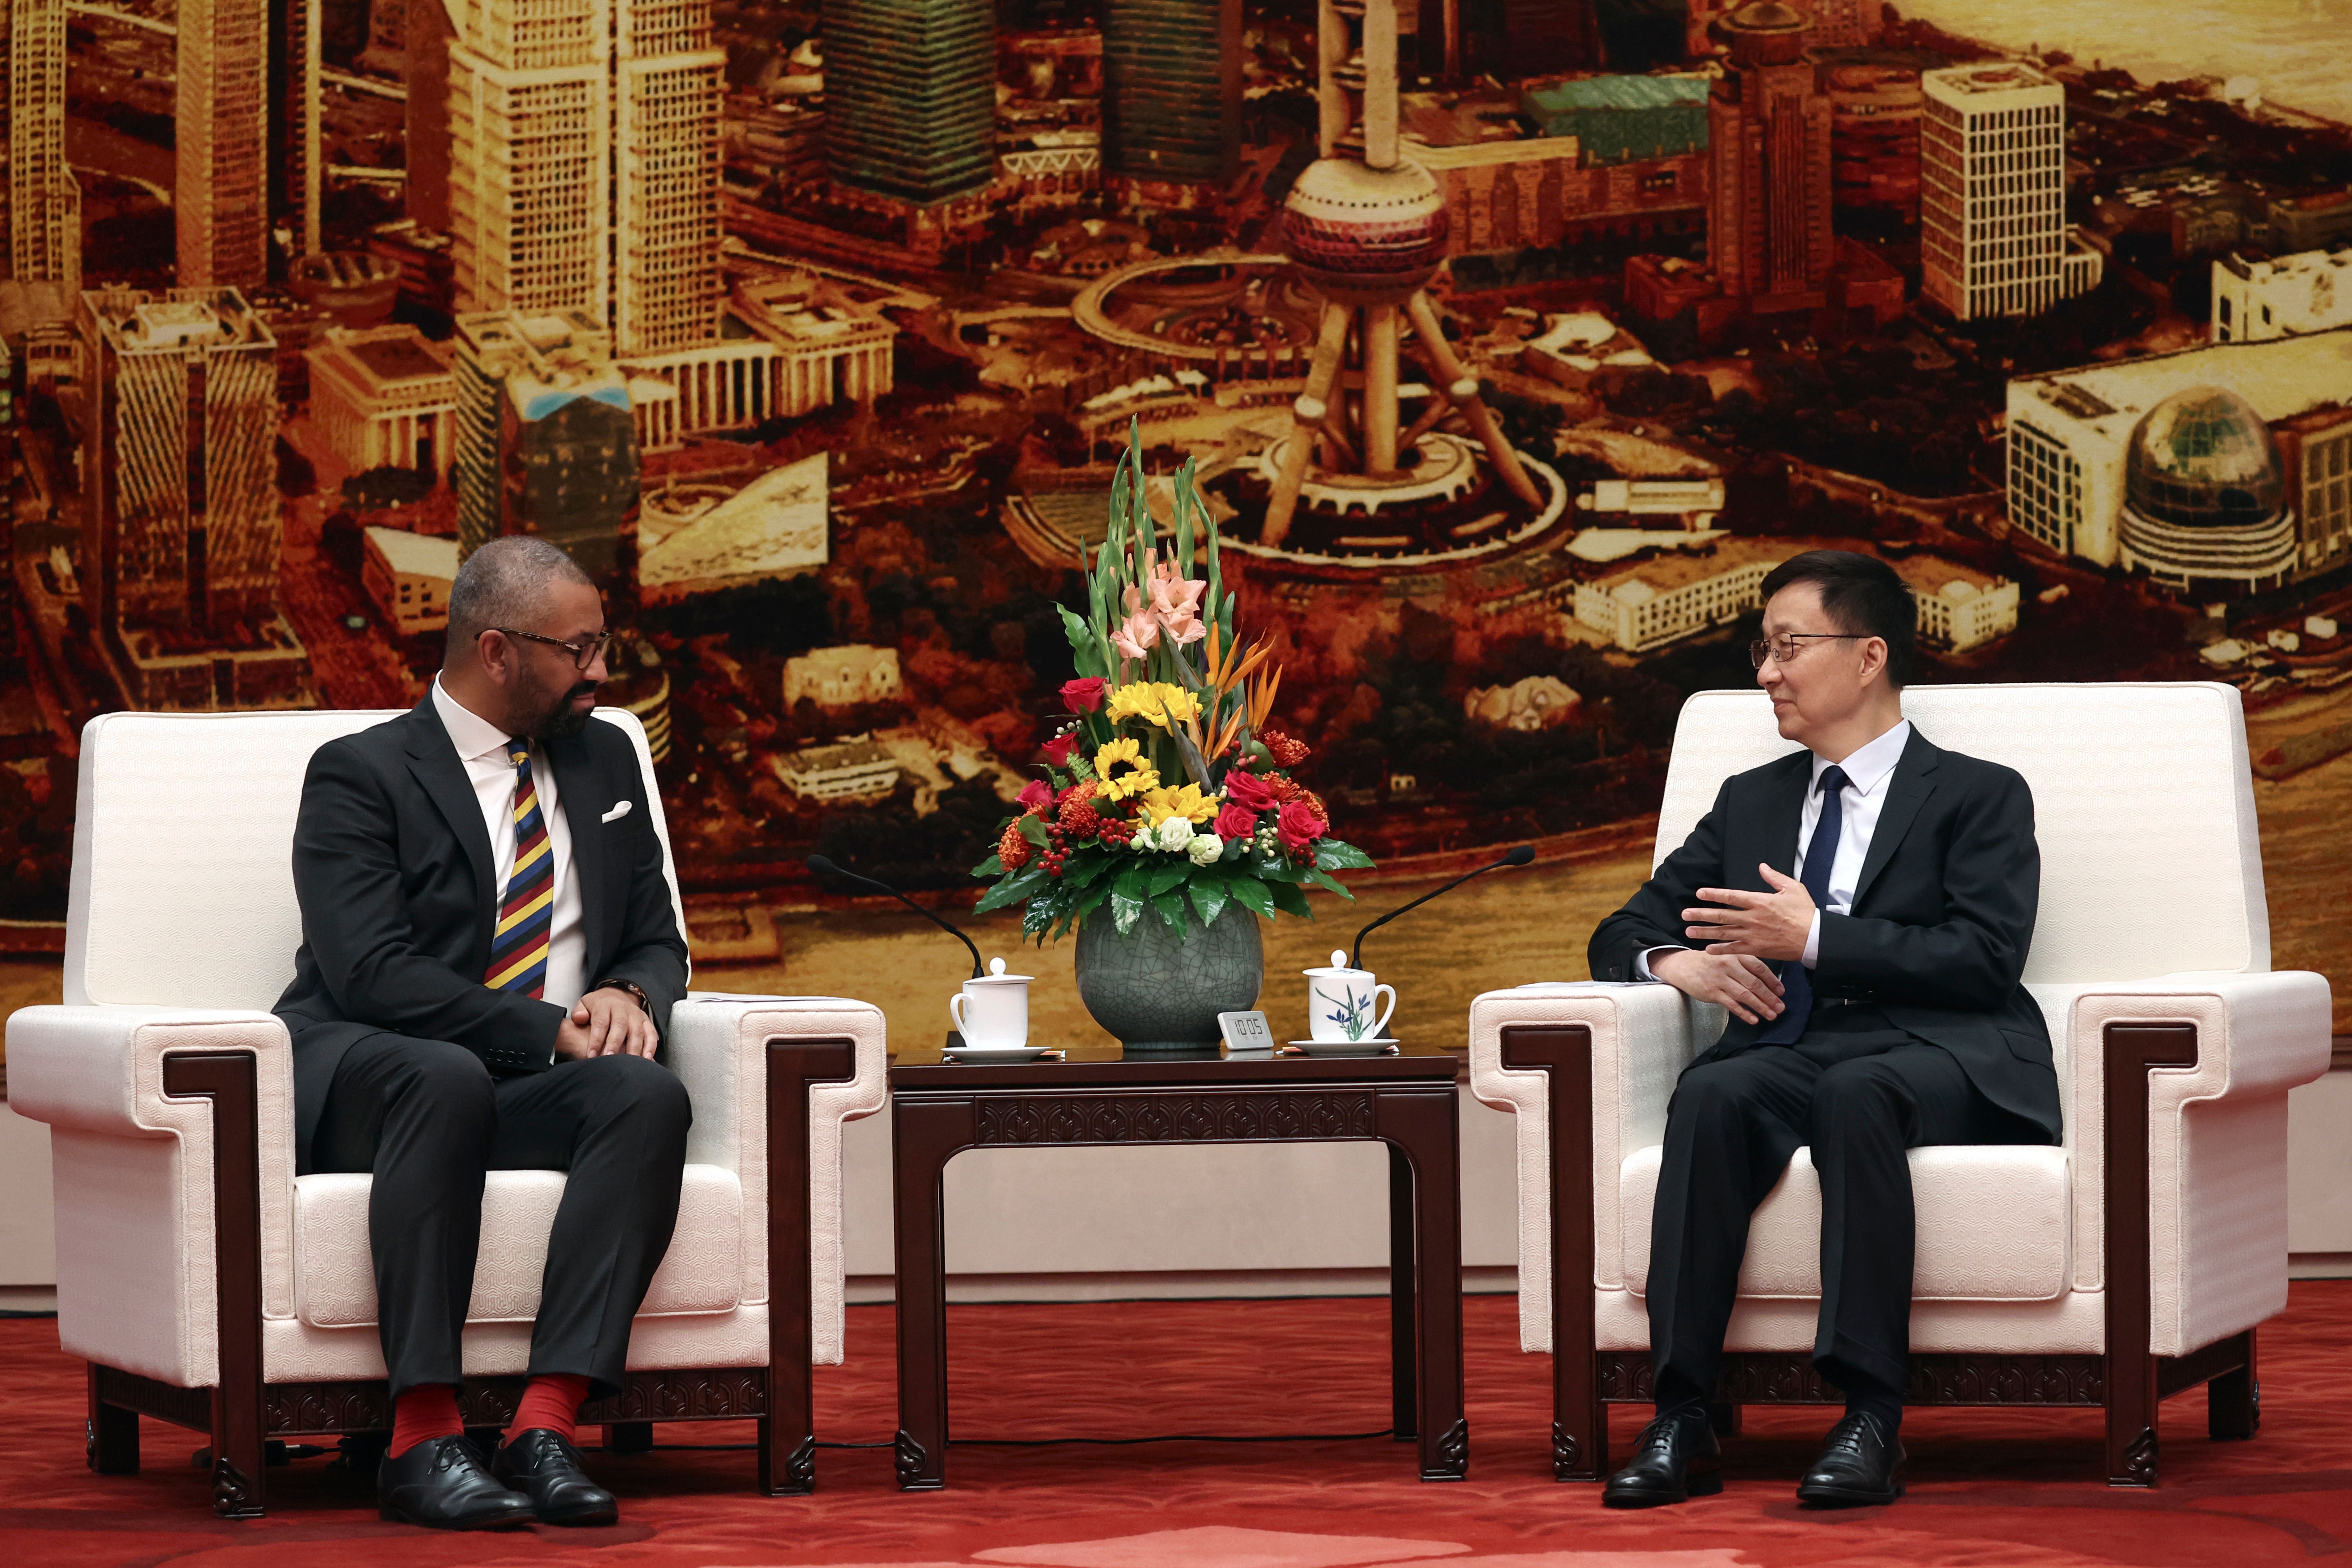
(489, 954)
(1863, 908)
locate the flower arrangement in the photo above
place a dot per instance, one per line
(1166, 787)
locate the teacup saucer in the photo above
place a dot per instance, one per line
(997, 1053)
(1345, 1047)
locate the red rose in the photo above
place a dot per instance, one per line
(1082, 696)
(1059, 750)
(1236, 821)
(1248, 791)
(1038, 797)
(1299, 825)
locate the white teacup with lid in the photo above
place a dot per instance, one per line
(1340, 1001)
(991, 1011)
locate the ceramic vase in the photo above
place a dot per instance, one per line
(1156, 989)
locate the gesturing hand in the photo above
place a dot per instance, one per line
(1748, 986)
(1771, 925)
(606, 1023)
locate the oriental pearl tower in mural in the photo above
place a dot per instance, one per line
(1365, 227)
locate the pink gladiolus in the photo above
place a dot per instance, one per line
(1136, 634)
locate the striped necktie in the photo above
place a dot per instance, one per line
(527, 912)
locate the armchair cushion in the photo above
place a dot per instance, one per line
(334, 1275)
(1993, 1226)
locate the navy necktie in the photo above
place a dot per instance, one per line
(1796, 982)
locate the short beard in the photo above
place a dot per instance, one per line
(561, 721)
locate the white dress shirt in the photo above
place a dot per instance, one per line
(1868, 770)
(482, 751)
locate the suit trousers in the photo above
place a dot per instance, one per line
(430, 1122)
(1859, 1093)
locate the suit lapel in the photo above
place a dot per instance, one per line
(1783, 802)
(581, 798)
(433, 760)
(1906, 792)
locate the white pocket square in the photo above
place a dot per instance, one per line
(618, 812)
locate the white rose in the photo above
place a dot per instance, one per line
(1174, 833)
(1204, 849)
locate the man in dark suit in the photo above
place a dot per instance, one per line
(489, 955)
(1876, 1002)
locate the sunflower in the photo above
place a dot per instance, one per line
(1121, 770)
(1187, 802)
(1153, 701)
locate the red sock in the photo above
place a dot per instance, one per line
(428, 1410)
(552, 1403)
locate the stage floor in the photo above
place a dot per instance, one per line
(1994, 1489)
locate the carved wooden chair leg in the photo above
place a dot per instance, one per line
(113, 1434)
(2234, 1401)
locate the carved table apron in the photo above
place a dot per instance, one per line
(1097, 1097)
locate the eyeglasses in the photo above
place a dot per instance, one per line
(1784, 648)
(582, 654)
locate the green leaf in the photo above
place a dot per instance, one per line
(1039, 914)
(1166, 877)
(1209, 895)
(1082, 873)
(1011, 891)
(1290, 900)
(1127, 898)
(992, 867)
(1032, 829)
(1333, 855)
(1322, 878)
(1171, 906)
(1253, 896)
(1085, 648)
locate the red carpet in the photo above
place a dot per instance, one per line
(1988, 1488)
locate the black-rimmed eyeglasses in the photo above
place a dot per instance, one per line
(1783, 648)
(582, 654)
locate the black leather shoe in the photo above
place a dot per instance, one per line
(545, 1467)
(1860, 1464)
(1675, 1458)
(441, 1485)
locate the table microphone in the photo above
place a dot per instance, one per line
(824, 867)
(1522, 856)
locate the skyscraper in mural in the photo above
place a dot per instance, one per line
(180, 525)
(1171, 95)
(910, 99)
(221, 200)
(36, 189)
(584, 165)
(1768, 239)
(1993, 200)
(294, 131)
(545, 440)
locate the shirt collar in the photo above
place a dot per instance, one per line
(474, 736)
(1870, 764)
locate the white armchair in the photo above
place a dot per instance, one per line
(207, 1284)
(2131, 1262)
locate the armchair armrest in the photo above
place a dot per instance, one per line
(719, 1045)
(1643, 1036)
(2216, 1136)
(138, 1207)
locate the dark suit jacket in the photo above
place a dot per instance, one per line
(391, 866)
(1942, 918)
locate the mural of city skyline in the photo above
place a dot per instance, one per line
(1514, 342)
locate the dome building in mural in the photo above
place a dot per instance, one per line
(2205, 494)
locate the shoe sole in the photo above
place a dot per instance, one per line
(1846, 1497)
(1707, 1484)
(588, 1518)
(390, 1515)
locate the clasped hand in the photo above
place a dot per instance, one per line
(606, 1023)
(1732, 971)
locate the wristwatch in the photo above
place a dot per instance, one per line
(644, 1001)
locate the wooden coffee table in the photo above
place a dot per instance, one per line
(1100, 1097)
